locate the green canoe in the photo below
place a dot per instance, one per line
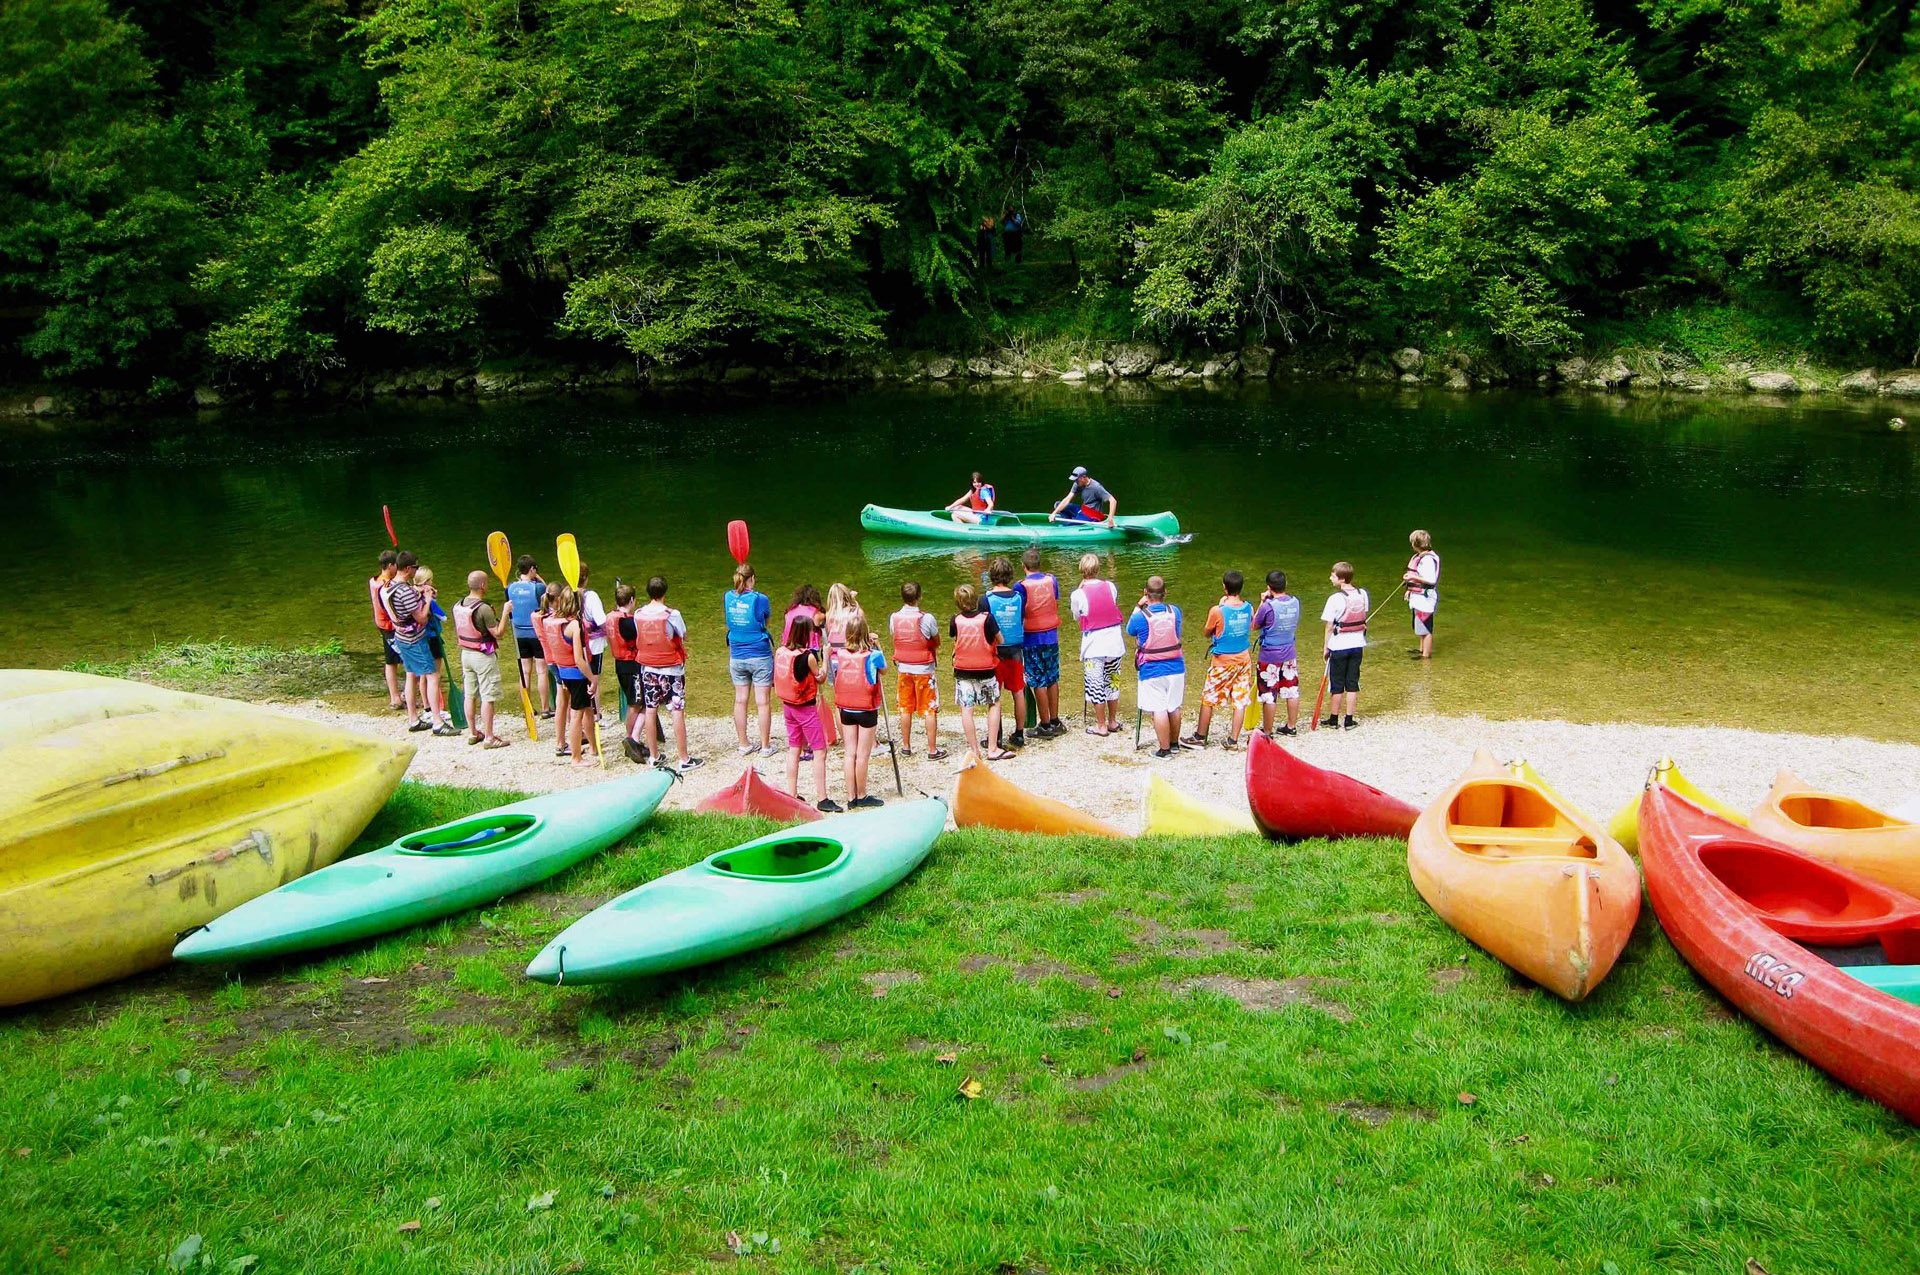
(759, 893)
(430, 874)
(1009, 528)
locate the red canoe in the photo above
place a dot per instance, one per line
(752, 795)
(1733, 903)
(1294, 800)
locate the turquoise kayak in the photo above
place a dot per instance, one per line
(1012, 528)
(761, 892)
(431, 874)
(1902, 982)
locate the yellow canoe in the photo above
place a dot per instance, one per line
(1841, 830)
(1518, 870)
(1172, 813)
(982, 799)
(117, 834)
(37, 701)
(1625, 827)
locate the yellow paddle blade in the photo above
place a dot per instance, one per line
(569, 555)
(499, 555)
(1668, 775)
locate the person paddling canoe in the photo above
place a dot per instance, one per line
(976, 506)
(1083, 500)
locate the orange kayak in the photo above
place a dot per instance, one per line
(982, 799)
(1515, 868)
(1841, 830)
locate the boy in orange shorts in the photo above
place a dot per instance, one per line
(1229, 639)
(916, 644)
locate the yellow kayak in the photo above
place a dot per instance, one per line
(1625, 827)
(1172, 813)
(37, 701)
(119, 833)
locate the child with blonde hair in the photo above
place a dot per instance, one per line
(856, 691)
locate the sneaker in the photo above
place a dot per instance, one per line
(865, 803)
(1285, 730)
(1332, 722)
(1231, 744)
(445, 729)
(422, 724)
(636, 751)
(1163, 753)
(828, 806)
(1195, 741)
(1351, 723)
(691, 763)
(1018, 740)
(748, 750)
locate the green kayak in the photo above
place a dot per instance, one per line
(1902, 982)
(759, 893)
(1010, 528)
(430, 874)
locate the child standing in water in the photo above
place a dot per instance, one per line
(856, 689)
(975, 638)
(796, 680)
(1422, 580)
(1345, 617)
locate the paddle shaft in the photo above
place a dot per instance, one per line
(568, 551)
(500, 558)
(893, 754)
(1327, 666)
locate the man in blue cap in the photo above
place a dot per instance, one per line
(1083, 500)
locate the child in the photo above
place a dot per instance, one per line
(436, 622)
(749, 657)
(1230, 637)
(477, 630)
(1155, 630)
(1008, 606)
(1278, 670)
(916, 647)
(410, 607)
(663, 673)
(796, 680)
(566, 650)
(806, 602)
(842, 602)
(593, 622)
(1422, 580)
(1041, 649)
(383, 625)
(1345, 641)
(526, 596)
(975, 637)
(623, 639)
(856, 690)
(552, 653)
(1096, 608)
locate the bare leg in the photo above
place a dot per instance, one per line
(793, 770)
(820, 771)
(966, 728)
(764, 694)
(393, 684)
(740, 712)
(680, 731)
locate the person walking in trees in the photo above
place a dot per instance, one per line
(983, 242)
(1013, 235)
(1422, 581)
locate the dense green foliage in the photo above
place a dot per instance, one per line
(276, 187)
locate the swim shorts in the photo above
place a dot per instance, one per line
(1042, 664)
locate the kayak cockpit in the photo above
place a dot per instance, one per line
(1843, 814)
(1783, 886)
(482, 834)
(780, 860)
(1501, 819)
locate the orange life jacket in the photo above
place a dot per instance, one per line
(971, 650)
(1043, 603)
(470, 635)
(790, 689)
(381, 620)
(1163, 639)
(625, 649)
(660, 646)
(851, 689)
(977, 502)
(910, 645)
(555, 642)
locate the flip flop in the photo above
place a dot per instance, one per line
(1098, 734)
(498, 743)
(1001, 754)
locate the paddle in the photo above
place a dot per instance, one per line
(893, 754)
(500, 558)
(737, 541)
(456, 709)
(387, 514)
(567, 549)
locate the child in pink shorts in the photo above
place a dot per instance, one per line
(796, 680)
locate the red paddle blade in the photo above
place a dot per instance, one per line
(387, 515)
(737, 540)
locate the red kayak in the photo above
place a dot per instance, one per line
(1765, 925)
(1294, 800)
(752, 795)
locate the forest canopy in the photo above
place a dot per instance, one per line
(279, 188)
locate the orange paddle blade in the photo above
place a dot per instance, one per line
(737, 542)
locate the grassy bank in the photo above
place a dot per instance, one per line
(1189, 1056)
(237, 670)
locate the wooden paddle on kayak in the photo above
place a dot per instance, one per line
(567, 549)
(500, 558)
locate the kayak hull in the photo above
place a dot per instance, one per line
(1842, 831)
(1015, 528)
(1173, 813)
(1865, 1039)
(1625, 827)
(1293, 800)
(752, 795)
(433, 873)
(982, 799)
(1525, 876)
(120, 833)
(758, 893)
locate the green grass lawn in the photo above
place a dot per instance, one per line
(1190, 1056)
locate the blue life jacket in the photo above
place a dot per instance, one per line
(1279, 632)
(1008, 616)
(1236, 627)
(525, 597)
(747, 624)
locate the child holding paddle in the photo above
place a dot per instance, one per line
(856, 691)
(566, 650)
(526, 599)
(1345, 641)
(796, 680)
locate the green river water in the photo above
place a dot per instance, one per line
(1663, 561)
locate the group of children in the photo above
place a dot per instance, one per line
(1005, 646)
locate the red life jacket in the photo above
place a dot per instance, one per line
(977, 502)
(910, 645)
(660, 646)
(851, 689)
(1043, 602)
(555, 642)
(971, 650)
(1163, 639)
(789, 688)
(1103, 606)
(471, 636)
(626, 649)
(381, 620)
(1354, 618)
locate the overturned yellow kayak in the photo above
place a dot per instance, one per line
(1172, 813)
(35, 701)
(119, 832)
(1625, 827)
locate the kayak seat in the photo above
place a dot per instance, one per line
(794, 857)
(1815, 811)
(1522, 843)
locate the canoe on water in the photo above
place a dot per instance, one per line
(1842, 831)
(762, 892)
(1625, 827)
(1173, 813)
(1012, 528)
(1756, 920)
(982, 799)
(117, 834)
(1523, 874)
(430, 874)
(752, 795)
(1295, 800)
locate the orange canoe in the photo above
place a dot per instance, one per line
(1513, 867)
(1852, 834)
(982, 799)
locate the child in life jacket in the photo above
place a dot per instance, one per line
(623, 640)
(1008, 606)
(593, 624)
(856, 691)
(916, 647)
(1345, 617)
(806, 602)
(477, 629)
(436, 687)
(842, 603)
(383, 625)
(1040, 648)
(1155, 627)
(1422, 581)
(526, 599)
(975, 641)
(1103, 644)
(796, 681)
(1229, 661)
(663, 673)
(1277, 620)
(564, 642)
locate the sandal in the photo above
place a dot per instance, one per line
(498, 743)
(938, 754)
(1097, 733)
(1001, 754)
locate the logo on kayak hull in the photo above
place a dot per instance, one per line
(1774, 974)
